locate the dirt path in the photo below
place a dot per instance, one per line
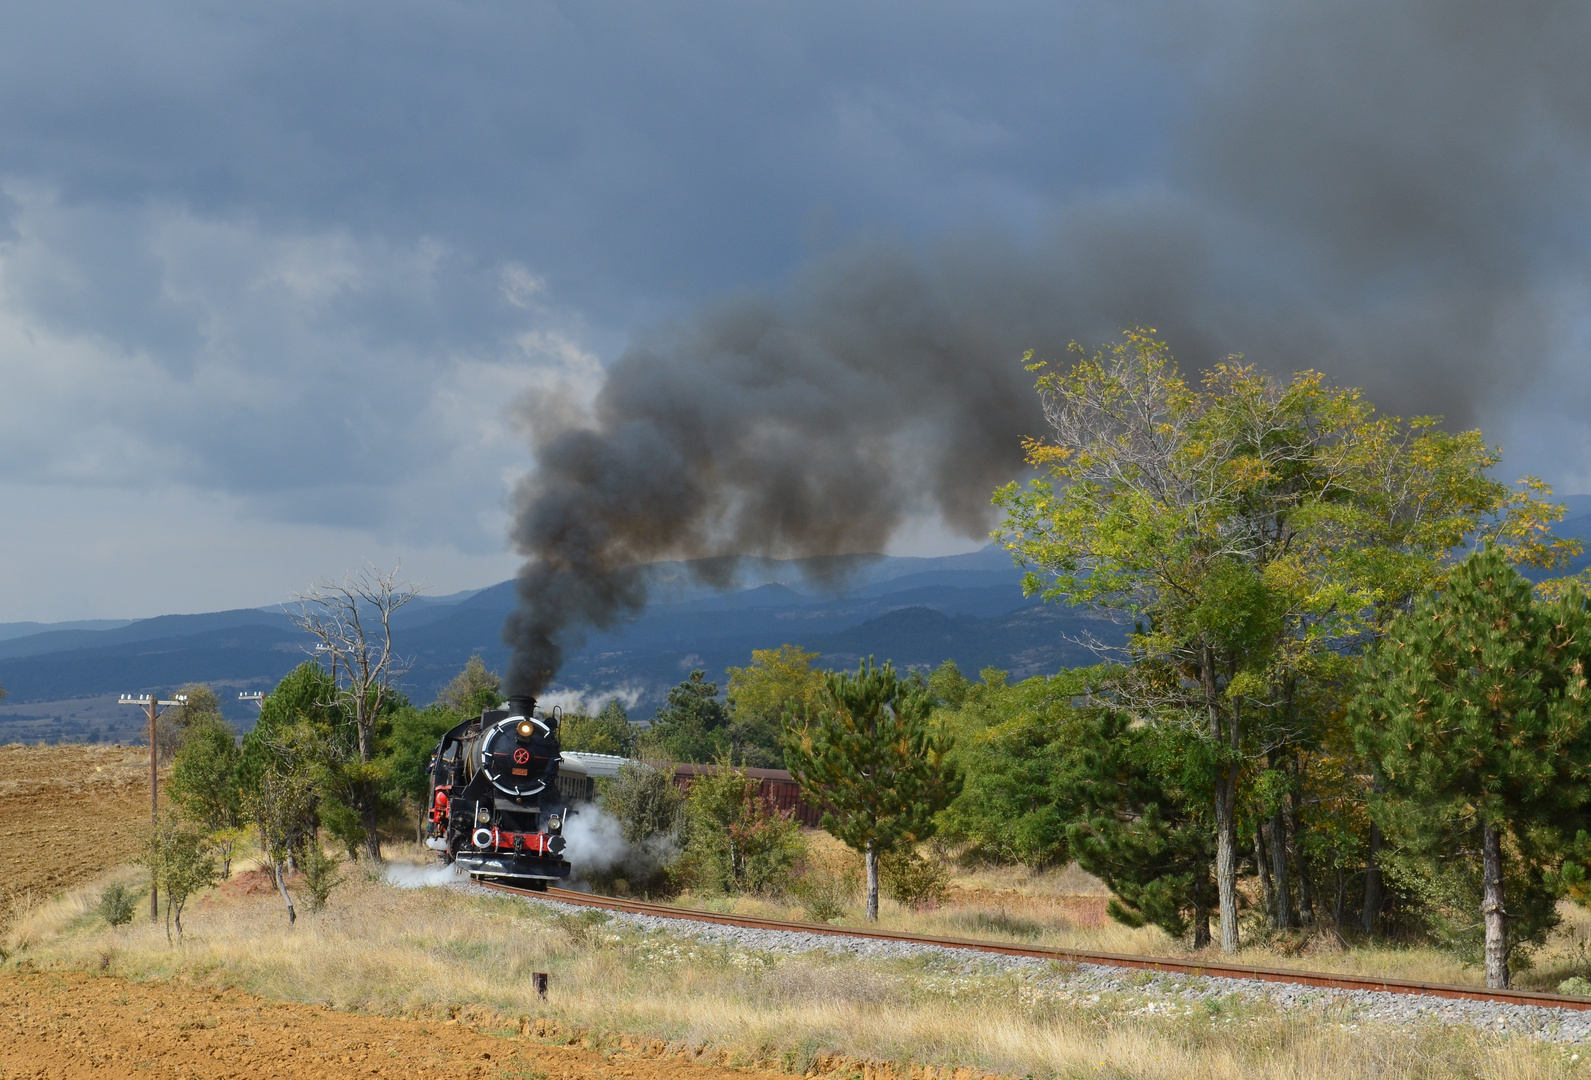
(66, 1025)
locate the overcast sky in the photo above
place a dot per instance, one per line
(276, 278)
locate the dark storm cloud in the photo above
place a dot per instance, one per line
(1391, 194)
(288, 221)
(288, 229)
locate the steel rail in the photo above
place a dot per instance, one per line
(1322, 979)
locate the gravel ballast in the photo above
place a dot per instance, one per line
(1148, 992)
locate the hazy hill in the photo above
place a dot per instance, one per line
(63, 679)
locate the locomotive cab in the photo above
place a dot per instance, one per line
(498, 806)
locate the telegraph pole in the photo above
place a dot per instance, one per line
(153, 705)
(323, 648)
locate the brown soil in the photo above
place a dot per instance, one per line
(67, 814)
(63, 1025)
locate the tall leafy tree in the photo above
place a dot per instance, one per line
(1256, 531)
(353, 621)
(303, 754)
(474, 688)
(1477, 714)
(206, 786)
(760, 692)
(866, 752)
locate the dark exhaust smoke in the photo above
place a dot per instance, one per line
(1392, 194)
(809, 427)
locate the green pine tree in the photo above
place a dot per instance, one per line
(608, 732)
(1140, 822)
(1013, 743)
(1475, 712)
(866, 753)
(692, 725)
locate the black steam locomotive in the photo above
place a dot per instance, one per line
(498, 798)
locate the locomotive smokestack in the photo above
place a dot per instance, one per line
(521, 705)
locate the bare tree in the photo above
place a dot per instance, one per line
(352, 619)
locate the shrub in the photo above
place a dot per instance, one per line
(828, 880)
(583, 927)
(824, 897)
(645, 800)
(116, 905)
(912, 879)
(1575, 987)
(736, 842)
(320, 875)
(179, 862)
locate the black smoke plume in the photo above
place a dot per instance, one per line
(808, 427)
(1393, 194)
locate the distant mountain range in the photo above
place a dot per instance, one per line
(63, 679)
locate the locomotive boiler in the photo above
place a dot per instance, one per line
(500, 796)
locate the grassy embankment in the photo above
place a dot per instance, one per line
(435, 952)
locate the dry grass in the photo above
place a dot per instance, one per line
(436, 952)
(1065, 908)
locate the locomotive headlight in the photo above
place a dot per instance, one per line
(554, 823)
(525, 729)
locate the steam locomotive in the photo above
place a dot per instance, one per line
(501, 794)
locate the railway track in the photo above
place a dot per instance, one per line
(1123, 960)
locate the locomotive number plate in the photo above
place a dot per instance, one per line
(521, 772)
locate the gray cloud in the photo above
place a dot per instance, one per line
(1392, 195)
(286, 227)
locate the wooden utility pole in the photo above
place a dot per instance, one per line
(152, 705)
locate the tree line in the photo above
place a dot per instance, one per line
(1336, 675)
(1338, 685)
(1339, 693)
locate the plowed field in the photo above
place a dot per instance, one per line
(66, 1025)
(67, 814)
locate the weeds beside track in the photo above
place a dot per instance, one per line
(1147, 963)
